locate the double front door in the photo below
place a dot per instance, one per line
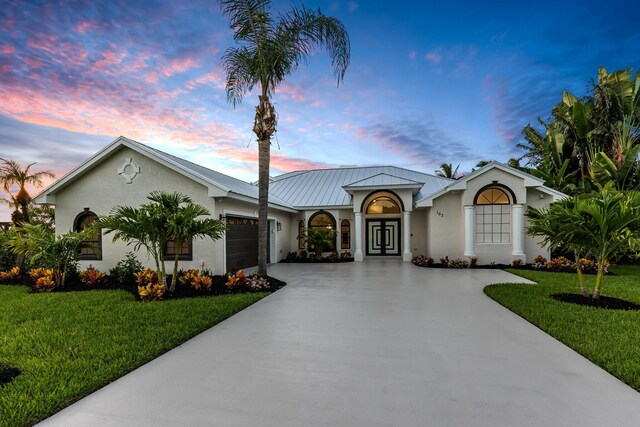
(383, 236)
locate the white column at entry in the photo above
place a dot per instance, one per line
(468, 230)
(357, 256)
(406, 241)
(517, 224)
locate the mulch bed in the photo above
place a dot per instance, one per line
(607, 303)
(7, 374)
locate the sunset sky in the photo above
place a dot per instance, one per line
(429, 82)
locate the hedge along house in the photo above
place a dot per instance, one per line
(381, 211)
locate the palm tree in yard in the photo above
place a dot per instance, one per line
(268, 50)
(12, 173)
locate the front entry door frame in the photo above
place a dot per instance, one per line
(384, 245)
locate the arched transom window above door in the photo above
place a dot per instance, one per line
(383, 205)
(492, 196)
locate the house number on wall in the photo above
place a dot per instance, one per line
(128, 170)
(440, 214)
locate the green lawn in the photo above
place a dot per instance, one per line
(609, 338)
(70, 344)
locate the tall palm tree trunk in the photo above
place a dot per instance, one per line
(264, 126)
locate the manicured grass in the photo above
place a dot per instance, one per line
(609, 338)
(67, 345)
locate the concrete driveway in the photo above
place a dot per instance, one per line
(379, 343)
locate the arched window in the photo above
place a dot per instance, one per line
(383, 205)
(493, 215)
(301, 242)
(93, 249)
(322, 219)
(345, 234)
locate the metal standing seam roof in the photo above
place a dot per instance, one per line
(383, 179)
(233, 184)
(323, 187)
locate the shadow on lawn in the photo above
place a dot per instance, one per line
(607, 303)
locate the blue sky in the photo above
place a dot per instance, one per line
(429, 82)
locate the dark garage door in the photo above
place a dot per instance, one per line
(242, 242)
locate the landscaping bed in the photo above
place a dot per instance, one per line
(604, 332)
(69, 344)
(304, 257)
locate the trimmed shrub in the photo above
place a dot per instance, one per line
(123, 275)
(517, 263)
(444, 262)
(422, 261)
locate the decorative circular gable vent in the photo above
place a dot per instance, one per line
(128, 170)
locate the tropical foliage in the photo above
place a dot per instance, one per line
(603, 224)
(318, 240)
(168, 217)
(42, 247)
(447, 171)
(268, 50)
(592, 140)
(12, 174)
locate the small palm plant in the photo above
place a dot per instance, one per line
(169, 217)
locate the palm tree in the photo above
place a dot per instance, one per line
(184, 223)
(143, 227)
(446, 171)
(268, 51)
(169, 217)
(11, 173)
(554, 226)
(610, 223)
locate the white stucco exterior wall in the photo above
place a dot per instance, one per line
(446, 235)
(101, 189)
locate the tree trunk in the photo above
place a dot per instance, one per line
(264, 126)
(596, 291)
(583, 289)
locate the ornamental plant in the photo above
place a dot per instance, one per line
(256, 282)
(149, 289)
(92, 277)
(473, 261)
(44, 279)
(444, 262)
(10, 275)
(235, 281)
(458, 263)
(197, 281)
(539, 262)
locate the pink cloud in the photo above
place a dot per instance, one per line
(287, 91)
(32, 62)
(213, 78)
(151, 77)
(82, 27)
(109, 58)
(179, 66)
(62, 52)
(7, 49)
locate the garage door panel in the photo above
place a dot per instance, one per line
(241, 242)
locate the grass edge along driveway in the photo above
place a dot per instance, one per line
(608, 338)
(69, 344)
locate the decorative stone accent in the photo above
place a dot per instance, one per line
(132, 171)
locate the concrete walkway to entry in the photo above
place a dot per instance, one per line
(379, 343)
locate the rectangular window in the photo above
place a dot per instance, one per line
(493, 224)
(345, 234)
(186, 251)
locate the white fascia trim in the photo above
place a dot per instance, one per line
(48, 194)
